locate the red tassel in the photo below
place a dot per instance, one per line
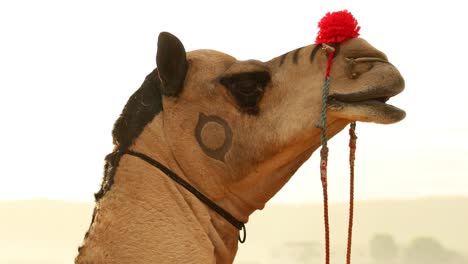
(337, 27)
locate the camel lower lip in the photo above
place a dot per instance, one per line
(379, 107)
(374, 104)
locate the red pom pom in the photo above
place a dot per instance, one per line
(337, 27)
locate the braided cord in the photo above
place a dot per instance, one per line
(323, 116)
(324, 156)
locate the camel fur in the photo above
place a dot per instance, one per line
(235, 130)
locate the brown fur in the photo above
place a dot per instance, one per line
(147, 218)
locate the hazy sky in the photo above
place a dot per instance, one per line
(68, 67)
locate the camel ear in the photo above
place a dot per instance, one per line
(172, 63)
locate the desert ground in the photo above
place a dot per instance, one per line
(49, 232)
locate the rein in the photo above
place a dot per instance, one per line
(324, 163)
(334, 28)
(231, 219)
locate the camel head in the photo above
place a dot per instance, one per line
(240, 129)
(236, 131)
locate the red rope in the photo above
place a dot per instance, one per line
(323, 172)
(323, 176)
(352, 156)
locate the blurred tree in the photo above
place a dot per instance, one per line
(383, 248)
(454, 257)
(297, 252)
(425, 250)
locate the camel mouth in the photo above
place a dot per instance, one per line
(368, 106)
(379, 94)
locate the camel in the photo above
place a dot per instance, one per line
(236, 131)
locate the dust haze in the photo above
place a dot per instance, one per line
(429, 230)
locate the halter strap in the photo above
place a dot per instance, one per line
(231, 219)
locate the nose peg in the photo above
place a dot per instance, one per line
(349, 69)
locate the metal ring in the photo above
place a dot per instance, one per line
(244, 237)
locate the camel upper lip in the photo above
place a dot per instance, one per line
(377, 94)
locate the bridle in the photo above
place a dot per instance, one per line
(349, 70)
(324, 151)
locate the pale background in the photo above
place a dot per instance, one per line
(68, 67)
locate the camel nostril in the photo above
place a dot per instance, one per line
(354, 70)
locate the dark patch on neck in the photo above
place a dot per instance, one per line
(296, 56)
(314, 51)
(140, 109)
(283, 58)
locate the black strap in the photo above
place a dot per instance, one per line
(231, 219)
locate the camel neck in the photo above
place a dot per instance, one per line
(222, 233)
(177, 179)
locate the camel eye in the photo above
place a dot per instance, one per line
(246, 79)
(247, 88)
